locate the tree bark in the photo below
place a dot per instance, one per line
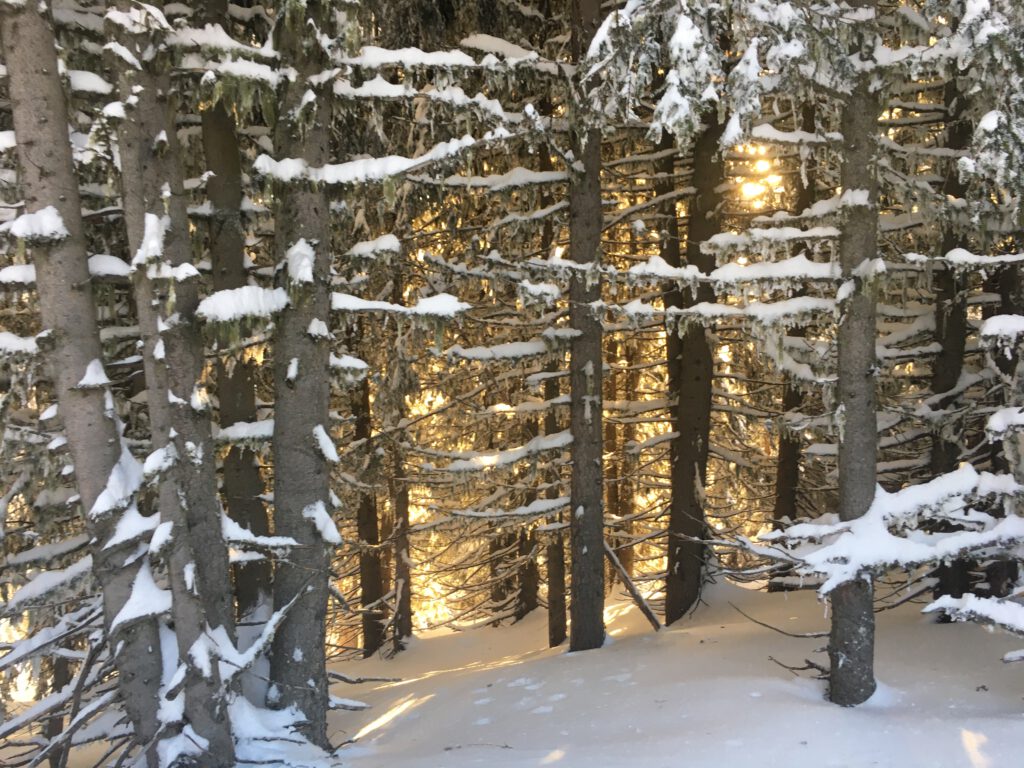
(690, 369)
(528, 576)
(68, 312)
(153, 197)
(302, 386)
(951, 332)
(371, 576)
(403, 563)
(554, 552)
(236, 389)
(851, 642)
(586, 517)
(787, 471)
(787, 476)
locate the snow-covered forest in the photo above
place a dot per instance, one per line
(353, 350)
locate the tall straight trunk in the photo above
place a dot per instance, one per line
(302, 503)
(525, 573)
(950, 330)
(628, 469)
(586, 515)
(1002, 575)
(68, 312)
(403, 564)
(613, 463)
(503, 550)
(554, 552)
(154, 201)
(852, 638)
(371, 576)
(787, 475)
(236, 388)
(690, 370)
(528, 575)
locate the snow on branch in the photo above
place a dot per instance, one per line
(769, 133)
(249, 301)
(787, 270)
(18, 276)
(472, 461)
(756, 237)
(125, 479)
(245, 432)
(318, 515)
(367, 248)
(767, 313)
(47, 582)
(511, 350)
(374, 57)
(985, 610)
(513, 179)
(366, 170)
(146, 599)
(16, 346)
(536, 508)
(441, 305)
(1002, 331)
(212, 37)
(243, 537)
(42, 226)
(889, 534)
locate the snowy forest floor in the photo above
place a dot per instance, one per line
(703, 694)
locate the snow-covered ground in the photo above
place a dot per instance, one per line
(702, 694)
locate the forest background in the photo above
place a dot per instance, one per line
(330, 322)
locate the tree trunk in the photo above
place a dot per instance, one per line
(851, 643)
(586, 517)
(951, 332)
(236, 389)
(613, 463)
(154, 203)
(371, 576)
(690, 369)
(528, 577)
(1002, 575)
(787, 472)
(302, 504)
(554, 552)
(628, 470)
(68, 311)
(403, 563)
(503, 551)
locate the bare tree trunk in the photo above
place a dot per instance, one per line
(787, 476)
(302, 504)
(68, 311)
(1002, 575)
(627, 473)
(60, 675)
(554, 552)
(504, 548)
(528, 576)
(613, 462)
(586, 516)
(371, 577)
(787, 470)
(236, 390)
(403, 563)
(851, 643)
(154, 202)
(951, 332)
(690, 369)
